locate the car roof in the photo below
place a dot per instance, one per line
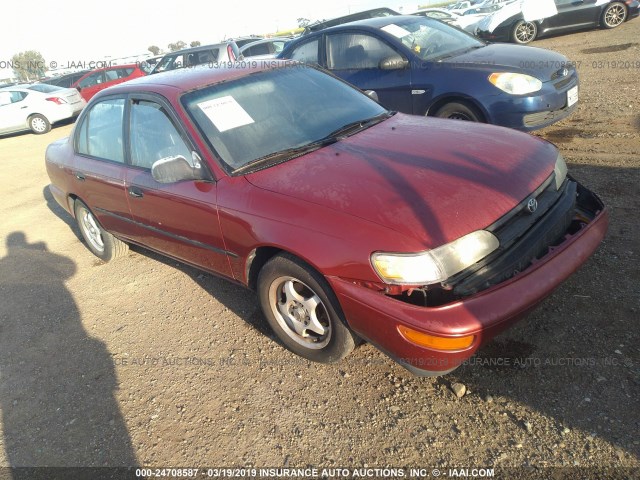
(192, 78)
(111, 67)
(79, 72)
(197, 49)
(373, 23)
(265, 40)
(375, 13)
(24, 87)
(19, 86)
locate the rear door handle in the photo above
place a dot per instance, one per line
(80, 176)
(135, 192)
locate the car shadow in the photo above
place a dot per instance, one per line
(60, 212)
(57, 394)
(235, 297)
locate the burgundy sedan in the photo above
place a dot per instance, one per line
(425, 237)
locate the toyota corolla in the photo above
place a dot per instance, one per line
(349, 220)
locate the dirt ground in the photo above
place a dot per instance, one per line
(151, 363)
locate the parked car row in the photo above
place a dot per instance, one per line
(36, 107)
(415, 66)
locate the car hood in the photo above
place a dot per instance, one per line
(501, 57)
(430, 179)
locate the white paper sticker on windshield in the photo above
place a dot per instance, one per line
(225, 113)
(396, 31)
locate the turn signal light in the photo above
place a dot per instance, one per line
(437, 343)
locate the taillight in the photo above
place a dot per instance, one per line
(57, 100)
(232, 55)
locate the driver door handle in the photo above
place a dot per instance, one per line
(135, 192)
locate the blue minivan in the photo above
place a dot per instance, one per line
(421, 66)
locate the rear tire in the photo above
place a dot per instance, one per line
(459, 111)
(39, 124)
(524, 32)
(101, 243)
(614, 15)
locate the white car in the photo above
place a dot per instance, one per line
(36, 107)
(467, 23)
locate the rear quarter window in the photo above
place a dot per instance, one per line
(100, 133)
(307, 52)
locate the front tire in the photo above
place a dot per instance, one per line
(101, 243)
(614, 15)
(303, 311)
(524, 32)
(39, 124)
(459, 111)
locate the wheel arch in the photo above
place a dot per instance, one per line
(258, 258)
(458, 98)
(32, 114)
(71, 201)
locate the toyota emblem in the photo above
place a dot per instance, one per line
(532, 205)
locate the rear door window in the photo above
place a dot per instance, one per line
(91, 80)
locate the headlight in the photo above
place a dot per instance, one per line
(515, 83)
(561, 171)
(435, 265)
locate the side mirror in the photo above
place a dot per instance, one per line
(175, 169)
(394, 62)
(371, 94)
(79, 89)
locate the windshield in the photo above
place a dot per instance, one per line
(169, 62)
(274, 115)
(431, 40)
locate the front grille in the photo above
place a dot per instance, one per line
(563, 83)
(564, 72)
(523, 237)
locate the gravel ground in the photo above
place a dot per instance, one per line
(151, 363)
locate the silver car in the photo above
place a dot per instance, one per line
(36, 107)
(264, 48)
(207, 54)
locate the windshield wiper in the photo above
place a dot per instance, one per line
(456, 53)
(283, 155)
(358, 125)
(333, 137)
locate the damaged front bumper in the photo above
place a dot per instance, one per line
(490, 298)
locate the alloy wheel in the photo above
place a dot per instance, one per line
(300, 312)
(615, 15)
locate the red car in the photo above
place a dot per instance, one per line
(96, 80)
(349, 220)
